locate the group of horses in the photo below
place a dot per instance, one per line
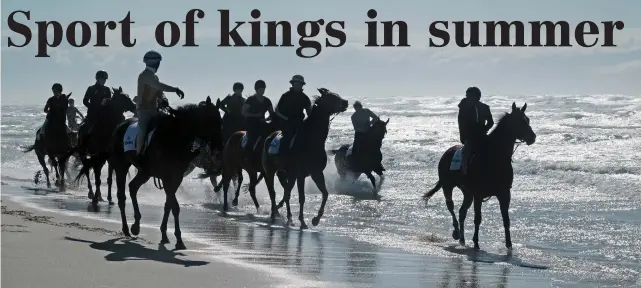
(190, 136)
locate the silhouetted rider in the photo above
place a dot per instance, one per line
(232, 105)
(474, 121)
(361, 120)
(290, 111)
(254, 111)
(93, 99)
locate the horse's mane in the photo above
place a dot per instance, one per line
(500, 123)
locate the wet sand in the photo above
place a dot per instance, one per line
(240, 248)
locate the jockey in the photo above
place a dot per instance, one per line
(254, 112)
(232, 105)
(361, 121)
(149, 90)
(56, 107)
(72, 115)
(290, 110)
(474, 121)
(93, 99)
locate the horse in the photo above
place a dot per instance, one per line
(371, 155)
(173, 142)
(236, 158)
(307, 156)
(109, 115)
(489, 173)
(56, 144)
(39, 148)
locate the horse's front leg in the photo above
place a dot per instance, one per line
(97, 169)
(239, 176)
(41, 159)
(110, 171)
(62, 166)
(319, 179)
(504, 204)
(371, 179)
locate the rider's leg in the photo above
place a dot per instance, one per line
(144, 116)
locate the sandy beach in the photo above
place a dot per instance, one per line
(41, 249)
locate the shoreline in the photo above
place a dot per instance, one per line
(44, 249)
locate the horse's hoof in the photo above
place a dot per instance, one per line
(455, 235)
(223, 214)
(476, 246)
(303, 226)
(290, 222)
(235, 202)
(315, 221)
(90, 195)
(180, 246)
(100, 199)
(125, 232)
(135, 229)
(111, 203)
(461, 241)
(508, 245)
(164, 240)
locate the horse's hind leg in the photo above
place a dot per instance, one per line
(121, 183)
(478, 202)
(447, 192)
(371, 179)
(134, 185)
(253, 181)
(462, 213)
(282, 178)
(300, 183)
(504, 203)
(269, 182)
(97, 169)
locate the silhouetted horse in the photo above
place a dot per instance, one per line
(39, 148)
(173, 141)
(370, 156)
(57, 145)
(490, 173)
(236, 158)
(307, 156)
(110, 114)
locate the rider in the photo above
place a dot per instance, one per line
(56, 107)
(72, 114)
(254, 112)
(149, 89)
(93, 99)
(290, 110)
(361, 121)
(232, 105)
(474, 121)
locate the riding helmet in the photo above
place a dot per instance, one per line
(56, 87)
(260, 84)
(238, 85)
(102, 75)
(152, 57)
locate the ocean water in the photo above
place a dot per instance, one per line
(575, 210)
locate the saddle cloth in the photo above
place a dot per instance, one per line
(131, 135)
(455, 165)
(274, 146)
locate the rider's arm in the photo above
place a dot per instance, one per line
(87, 98)
(279, 105)
(462, 125)
(47, 105)
(246, 112)
(224, 103)
(308, 106)
(153, 82)
(371, 115)
(79, 113)
(490, 121)
(270, 108)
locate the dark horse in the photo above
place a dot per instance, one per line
(236, 158)
(371, 155)
(39, 148)
(489, 174)
(307, 157)
(166, 157)
(57, 145)
(109, 116)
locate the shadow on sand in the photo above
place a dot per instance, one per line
(130, 250)
(487, 257)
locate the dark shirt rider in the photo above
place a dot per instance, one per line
(232, 105)
(254, 111)
(474, 121)
(94, 98)
(56, 108)
(290, 111)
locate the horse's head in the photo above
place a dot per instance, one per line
(378, 129)
(520, 125)
(210, 128)
(331, 102)
(121, 100)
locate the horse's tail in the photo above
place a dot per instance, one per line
(28, 148)
(429, 194)
(87, 164)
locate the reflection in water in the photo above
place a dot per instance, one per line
(326, 257)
